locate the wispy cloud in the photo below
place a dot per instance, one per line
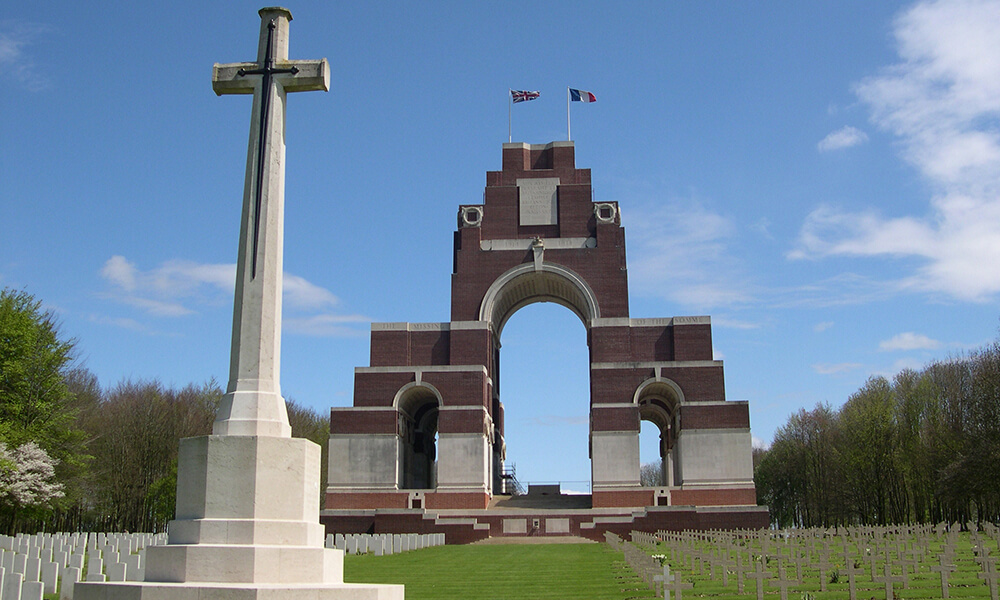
(326, 325)
(680, 251)
(845, 137)
(178, 288)
(832, 369)
(170, 289)
(909, 341)
(727, 323)
(821, 327)
(941, 100)
(130, 324)
(16, 63)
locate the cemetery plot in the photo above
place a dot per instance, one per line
(47, 563)
(895, 563)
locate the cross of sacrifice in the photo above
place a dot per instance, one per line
(253, 404)
(278, 75)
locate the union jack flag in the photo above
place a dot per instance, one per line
(523, 95)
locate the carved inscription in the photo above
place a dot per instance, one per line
(538, 201)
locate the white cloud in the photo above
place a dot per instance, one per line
(15, 63)
(725, 322)
(679, 251)
(821, 327)
(757, 442)
(176, 286)
(119, 272)
(942, 100)
(909, 341)
(845, 137)
(832, 369)
(302, 294)
(326, 325)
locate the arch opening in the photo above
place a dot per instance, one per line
(546, 397)
(658, 400)
(527, 284)
(418, 407)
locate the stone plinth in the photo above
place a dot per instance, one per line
(246, 529)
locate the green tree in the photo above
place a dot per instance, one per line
(309, 424)
(36, 404)
(136, 433)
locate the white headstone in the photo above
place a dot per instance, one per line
(12, 585)
(32, 590)
(50, 576)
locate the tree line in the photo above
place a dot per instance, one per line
(921, 447)
(76, 456)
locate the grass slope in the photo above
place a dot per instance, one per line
(500, 572)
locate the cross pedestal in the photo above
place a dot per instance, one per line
(247, 523)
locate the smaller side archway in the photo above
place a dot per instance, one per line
(418, 406)
(658, 400)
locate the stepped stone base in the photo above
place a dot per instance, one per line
(235, 591)
(246, 529)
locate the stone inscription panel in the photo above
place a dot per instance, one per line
(538, 204)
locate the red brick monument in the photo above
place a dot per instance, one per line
(422, 448)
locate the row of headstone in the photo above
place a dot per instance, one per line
(31, 565)
(885, 556)
(382, 544)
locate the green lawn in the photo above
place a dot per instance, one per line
(499, 572)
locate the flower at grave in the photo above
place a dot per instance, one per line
(662, 558)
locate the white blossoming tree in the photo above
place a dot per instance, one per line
(26, 476)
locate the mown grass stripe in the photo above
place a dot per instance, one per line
(499, 572)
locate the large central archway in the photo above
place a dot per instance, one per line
(529, 283)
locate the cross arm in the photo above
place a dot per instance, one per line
(226, 79)
(309, 75)
(313, 75)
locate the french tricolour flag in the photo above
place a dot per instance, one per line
(581, 96)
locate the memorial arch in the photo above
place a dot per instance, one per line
(428, 411)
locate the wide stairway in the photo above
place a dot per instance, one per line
(541, 497)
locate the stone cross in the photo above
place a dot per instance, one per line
(990, 575)
(739, 572)
(783, 582)
(943, 570)
(888, 580)
(760, 575)
(253, 404)
(823, 564)
(679, 587)
(664, 580)
(852, 572)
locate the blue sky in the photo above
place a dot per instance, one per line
(823, 179)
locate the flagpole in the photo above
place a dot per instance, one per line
(569, 138)
(510, 95)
